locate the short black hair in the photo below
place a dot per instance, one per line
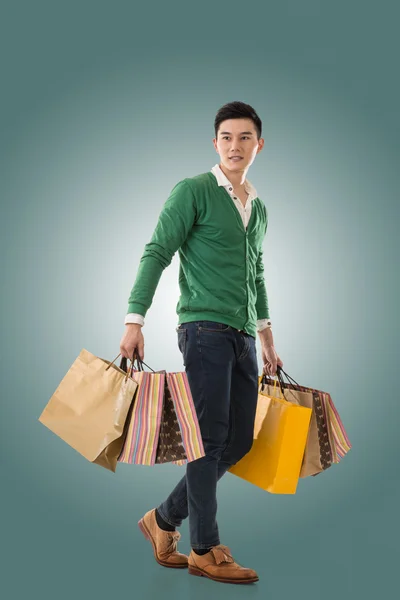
(237, 110)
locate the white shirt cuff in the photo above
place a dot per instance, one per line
(134, 318)
(263, 324)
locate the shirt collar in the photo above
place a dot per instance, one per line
(224, 181)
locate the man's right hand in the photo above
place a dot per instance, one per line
(132, 340)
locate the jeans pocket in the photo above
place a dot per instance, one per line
(182, 337)
(213, 326)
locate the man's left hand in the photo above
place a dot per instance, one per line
(270, 360)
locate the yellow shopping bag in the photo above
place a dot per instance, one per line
(280, 435)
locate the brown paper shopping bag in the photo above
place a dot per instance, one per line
(89, 408)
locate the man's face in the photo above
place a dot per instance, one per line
(237, 137)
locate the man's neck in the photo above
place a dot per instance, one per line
(236, 179)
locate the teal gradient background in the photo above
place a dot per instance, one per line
(105, 106)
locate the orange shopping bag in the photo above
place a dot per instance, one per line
(280, 435)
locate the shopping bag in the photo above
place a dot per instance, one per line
(88, 410)
(163, 425)
(339, 439)
(280, 433)
(327, 440)
(317, 454)
(328, 421)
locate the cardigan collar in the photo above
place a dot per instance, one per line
(222, 180)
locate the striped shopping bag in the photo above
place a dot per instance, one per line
(162, 423)
(339, 440)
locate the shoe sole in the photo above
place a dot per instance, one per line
(147, 535)
(200, 573)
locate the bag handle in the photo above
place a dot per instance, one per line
(122, 366)
(264, 382)
(280, 388)
(279, 372)
(140, 363)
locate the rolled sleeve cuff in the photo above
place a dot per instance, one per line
(134, 318)
(263, 324)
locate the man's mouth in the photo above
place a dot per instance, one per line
(235, 158)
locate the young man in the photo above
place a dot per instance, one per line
(217, 223)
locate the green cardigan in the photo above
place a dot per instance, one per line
(221, 273)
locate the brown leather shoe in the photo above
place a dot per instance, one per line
(164, 542)
(219, 565)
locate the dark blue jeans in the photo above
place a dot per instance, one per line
(221, 366)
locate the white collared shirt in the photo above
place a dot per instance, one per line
(245, 213)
